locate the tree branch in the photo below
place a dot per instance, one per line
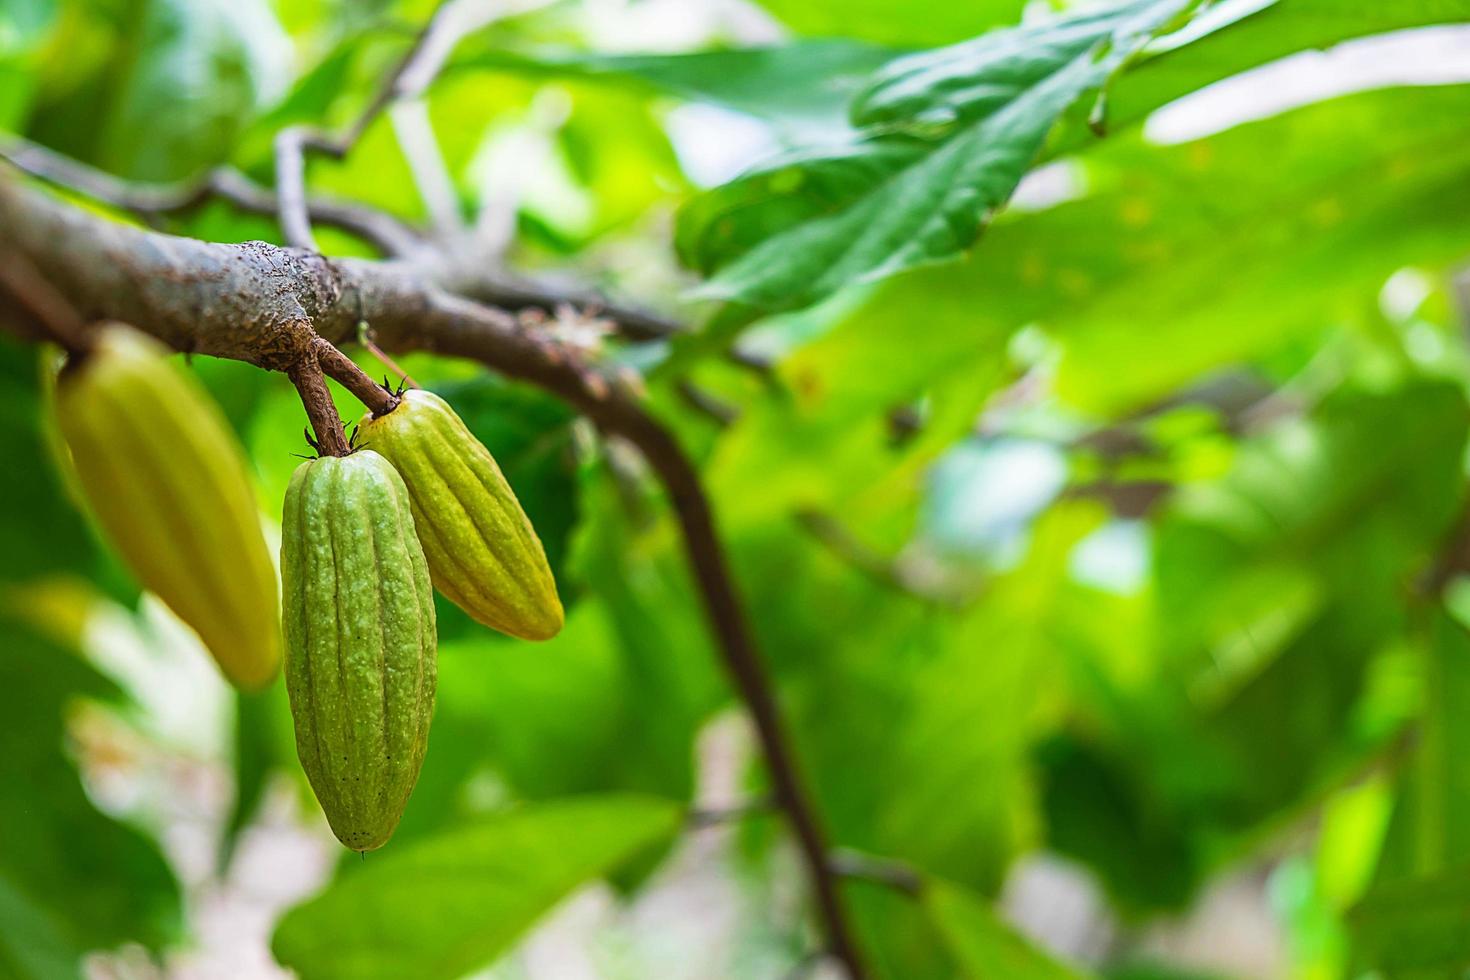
(387, 234)
(268, 306)
(882, 871)
(36, 307)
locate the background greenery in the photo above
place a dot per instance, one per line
(1122, 541)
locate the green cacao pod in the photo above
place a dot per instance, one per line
(483, 553)
(168, 483)
(360, 641)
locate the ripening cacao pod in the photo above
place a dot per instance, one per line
(360, 641)
(483, 553)
(168, 483)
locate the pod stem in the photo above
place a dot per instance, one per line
(343, 370)
(306, 375)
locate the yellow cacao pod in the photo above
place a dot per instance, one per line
(483, 553)
(168, 483)
(360, 641)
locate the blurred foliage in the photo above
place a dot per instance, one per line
(1104, 534)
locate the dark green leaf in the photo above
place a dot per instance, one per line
(1016, 84)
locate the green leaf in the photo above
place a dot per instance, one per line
(1007, 90)
(983, 946)
(805, 83)
(1415, 929)
(93, 883)
(1430, 828)
(33, 946)
(1259, 33)
(893, 21)
(53, 536)
(1372, 478)
(450, 904)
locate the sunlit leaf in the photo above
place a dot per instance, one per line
(1012, 87)
(449, 904)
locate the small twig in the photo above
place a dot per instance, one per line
(757, 363)
(414, 71)
(426, 165)
(718, 410)
(317, 400)
(291, 210)
(926, 583)
(343, 370)
(518, 293)
(883, 871)
(365, 338)
(713, 817)
(43, 307)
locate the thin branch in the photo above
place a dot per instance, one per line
(927, 582)
(714, 817)
(426, 165)
(409, 78)
(477, 282)
(291, 211)
(387, 234)
(342, 369)
(721, 412)
(325, 422)
(268, 306)
(882, 871)
(291, 143)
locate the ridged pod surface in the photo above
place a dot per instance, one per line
(483, 553)
(168, 483)
(360, 641)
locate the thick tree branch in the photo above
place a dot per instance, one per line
(35, 308)
(268, 306)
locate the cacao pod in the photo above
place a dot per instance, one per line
(483, 553)
(360, 641)
(168, 483)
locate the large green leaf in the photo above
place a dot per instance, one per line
(450, 904)
(79, 879)
(1006, 90)
(1261, 32)
(812, 185)
(807, 84)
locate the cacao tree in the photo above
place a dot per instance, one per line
(868, 489)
